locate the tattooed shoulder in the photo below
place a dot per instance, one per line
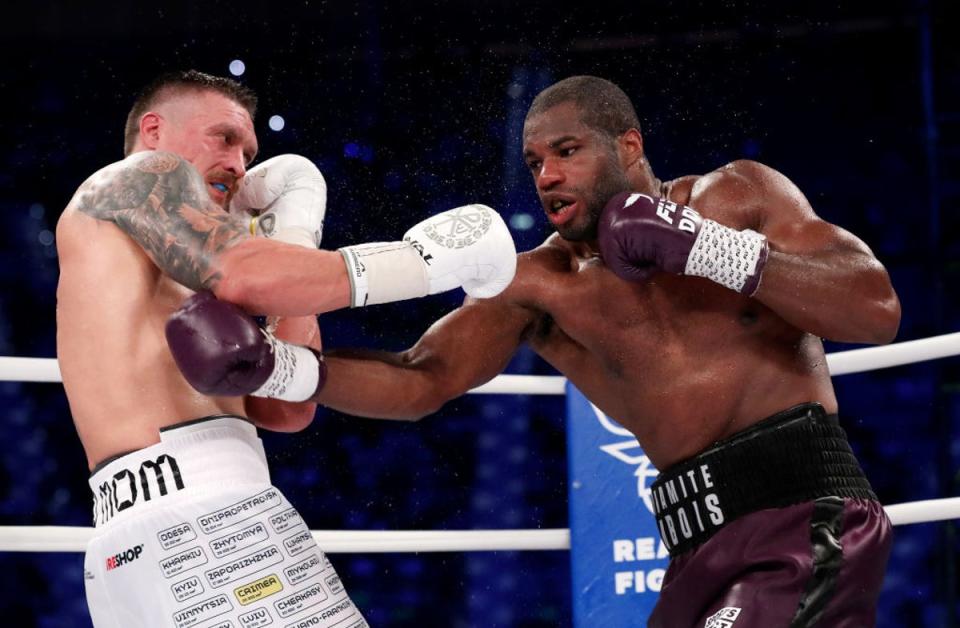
(160, 201)
(120, 186)
(157, 162)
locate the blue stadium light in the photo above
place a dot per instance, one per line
(237, 67)
(276, 123)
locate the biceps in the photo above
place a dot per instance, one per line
(813, 236)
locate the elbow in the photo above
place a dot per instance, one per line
(280, 416)
(887, 312)
(421, 406)
(431, 390)
(877, 309)
(878, 319)
(299, 416)
(887, 319)
(873, 322)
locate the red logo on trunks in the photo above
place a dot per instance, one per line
(127, 556)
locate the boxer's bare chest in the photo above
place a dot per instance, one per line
(596, 324)
(668, 358)
(113, 303)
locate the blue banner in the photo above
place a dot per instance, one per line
(617, 558)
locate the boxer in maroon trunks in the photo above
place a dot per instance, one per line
(775, 526)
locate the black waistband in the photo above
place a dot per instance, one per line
(794, 456)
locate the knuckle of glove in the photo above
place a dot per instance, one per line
(255, 191)
(211, 341)
(623, 235)
(497, 263)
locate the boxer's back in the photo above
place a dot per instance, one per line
(112, 304)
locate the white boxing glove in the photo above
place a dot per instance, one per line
(469, 247)
(287, 198)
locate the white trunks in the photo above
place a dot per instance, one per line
(189, 532)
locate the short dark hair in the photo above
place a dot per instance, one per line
(174, 84)
(604, 107)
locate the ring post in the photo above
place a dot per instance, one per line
(617, 559)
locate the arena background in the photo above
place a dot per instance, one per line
(411, 108)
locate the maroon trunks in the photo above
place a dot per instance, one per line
(775, 526)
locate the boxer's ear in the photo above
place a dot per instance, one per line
(630, 148)
(150, 125)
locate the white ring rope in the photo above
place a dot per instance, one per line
(74, 539)
(840, 363)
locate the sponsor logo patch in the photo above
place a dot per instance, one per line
(178, 534)
(186, 589)
(124, 557)
(202, 611)
(301, 600)
(285, 520)
(244, 566)
(334, 611)
(304, 569)
(184, 561)
(256, 618)
(723, 618)
(333, 583)
(242, 539)
(240, 511)
(258, 589)
(299, 542)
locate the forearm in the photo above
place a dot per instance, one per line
(462, 350)
(842, 296)
(378, 384)
(269, 277)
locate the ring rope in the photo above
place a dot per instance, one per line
(74, 539)
(14, 369)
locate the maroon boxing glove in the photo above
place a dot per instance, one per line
(639, 235)
(221, 351)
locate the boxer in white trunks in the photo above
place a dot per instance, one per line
(189, 529)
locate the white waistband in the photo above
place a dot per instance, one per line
(208, 451)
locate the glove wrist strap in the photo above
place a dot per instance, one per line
(383, 272)
(730, 257)
(296, 372)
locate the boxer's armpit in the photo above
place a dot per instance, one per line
(162, 203)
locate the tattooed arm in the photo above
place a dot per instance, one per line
(160, 201)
